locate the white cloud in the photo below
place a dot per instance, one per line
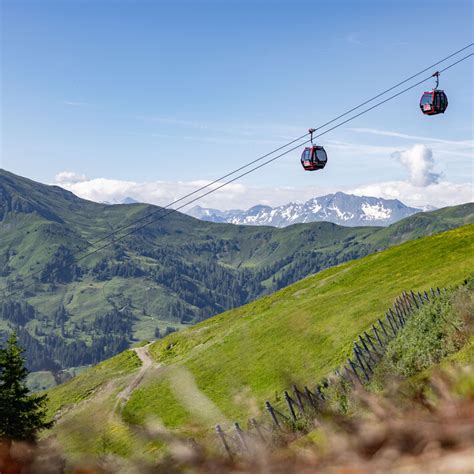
(437, 194)
(419, 162)
(73, 103)
(162, 193)
(241, 196)
(389, 133)
(455, 151)
(69, 177)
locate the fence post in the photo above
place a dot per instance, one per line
(395, 316)
(289, 402)
(397, 307)
(241, 436)
(408, 301)
(221, 435)
(402, 313)
(271, 411)
(299, 402)
(309, 396)
(320, 394)
(401, 307)
(383, 329)
(376, 332)
(254, 423)
(369, 340)
(366, 357)
(414, 299)
(367, 350)
(361, 364)
(405, 307)
(354, 369)
(420, 298)
(391, 324)
(395, 320)
(399, 313)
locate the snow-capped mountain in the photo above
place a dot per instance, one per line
(127, 200)
(340, 208)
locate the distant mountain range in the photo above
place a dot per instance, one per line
(339, 208)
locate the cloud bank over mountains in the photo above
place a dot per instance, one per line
(239, 196)
(424, 186)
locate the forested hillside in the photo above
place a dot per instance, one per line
(177, 271)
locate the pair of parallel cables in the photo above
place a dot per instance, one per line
(238, 173)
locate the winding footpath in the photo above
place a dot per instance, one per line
(147, 364)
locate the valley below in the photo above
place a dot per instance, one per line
(154, 339)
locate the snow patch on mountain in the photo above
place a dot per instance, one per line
(377, 211)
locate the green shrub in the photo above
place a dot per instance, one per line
(337, 395)
(435, 331)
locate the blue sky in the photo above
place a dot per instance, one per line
(149, 98)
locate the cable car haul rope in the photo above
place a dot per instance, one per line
(314, 157)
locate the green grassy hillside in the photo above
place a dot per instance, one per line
(173, 273)
(227, 366)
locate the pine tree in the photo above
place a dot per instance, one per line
(22, 414)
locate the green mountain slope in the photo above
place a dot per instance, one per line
(173, 273)
(226, 366)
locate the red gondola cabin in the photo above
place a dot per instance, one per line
(433, 102)
(314, 158)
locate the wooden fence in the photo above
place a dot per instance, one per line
(298, 404)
